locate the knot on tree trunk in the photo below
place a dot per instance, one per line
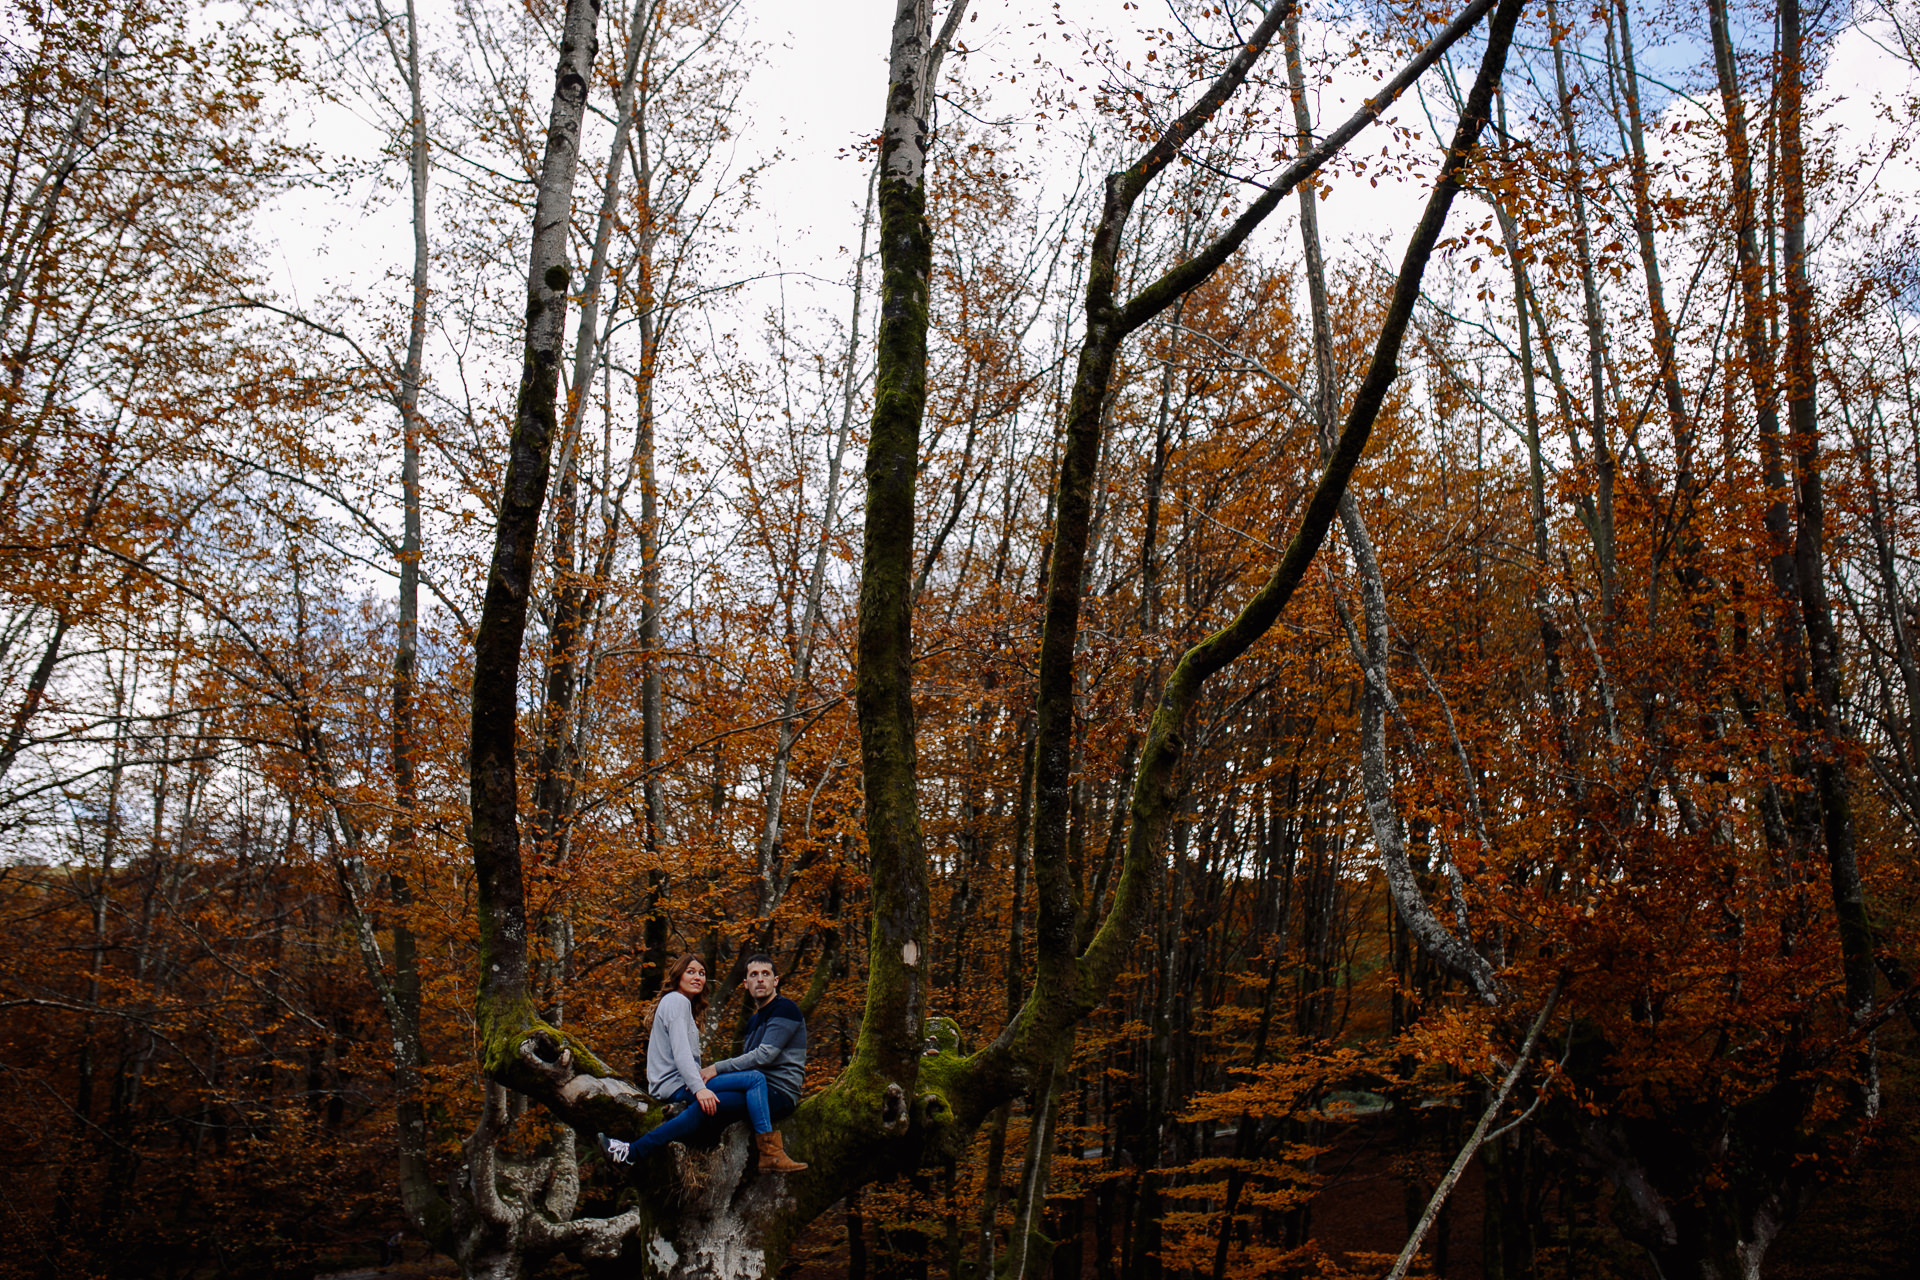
(895, 1114)
(550, 1060)
(547, 1056)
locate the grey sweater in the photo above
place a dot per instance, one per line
(673, 1050)
(776, 1046)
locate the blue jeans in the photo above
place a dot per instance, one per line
(740, 1093)
(779, 1107)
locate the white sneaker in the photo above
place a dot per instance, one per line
(617, 1151)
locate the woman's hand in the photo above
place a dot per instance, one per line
(708, 1101)
(708, 1073)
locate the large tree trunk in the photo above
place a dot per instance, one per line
(1823, 714)
(889, 1047)
(517, 1048)
(495, 832)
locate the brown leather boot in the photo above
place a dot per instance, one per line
(773, 1154)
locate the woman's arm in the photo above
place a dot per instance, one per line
(683, 1038)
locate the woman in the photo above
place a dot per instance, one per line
(673, 1075)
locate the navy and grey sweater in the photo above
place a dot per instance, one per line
(776, 1045)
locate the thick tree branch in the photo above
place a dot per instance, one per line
(1153, 789)
(1054, 1006)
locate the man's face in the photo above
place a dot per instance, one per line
(761, 982)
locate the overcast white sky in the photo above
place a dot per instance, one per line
(819, 91)
(823, 87)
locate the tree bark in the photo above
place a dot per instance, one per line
(1809, 551)
(425, 1207)
(516, 1048)
(889, 1045)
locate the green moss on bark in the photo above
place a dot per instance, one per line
(883, 691)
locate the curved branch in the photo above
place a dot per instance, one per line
(1153, 788)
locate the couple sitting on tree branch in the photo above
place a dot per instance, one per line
(762, 1084)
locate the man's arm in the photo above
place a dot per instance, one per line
(776, 1033)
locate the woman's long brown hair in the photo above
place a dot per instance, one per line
(671, 982)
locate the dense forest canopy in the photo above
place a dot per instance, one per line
(1303, 652)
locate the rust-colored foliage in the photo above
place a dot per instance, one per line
(1618, 762)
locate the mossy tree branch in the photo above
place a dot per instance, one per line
(1154, 787)
(1067, 986)
(517, 1050)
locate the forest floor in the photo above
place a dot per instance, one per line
(418, 1269)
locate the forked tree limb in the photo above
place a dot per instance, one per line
(1153, 794)
(1064, 983)
(1056, 893)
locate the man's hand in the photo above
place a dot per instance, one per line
(708, 1073)
(708, 1100)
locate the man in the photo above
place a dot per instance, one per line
(776, 1044)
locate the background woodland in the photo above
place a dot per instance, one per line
(1627, 575)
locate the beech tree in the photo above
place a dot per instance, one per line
(909, 1090)
(1164, 879)
(640, 253)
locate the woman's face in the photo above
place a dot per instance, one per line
(694, 980)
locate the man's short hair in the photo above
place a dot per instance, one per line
(761, 957)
